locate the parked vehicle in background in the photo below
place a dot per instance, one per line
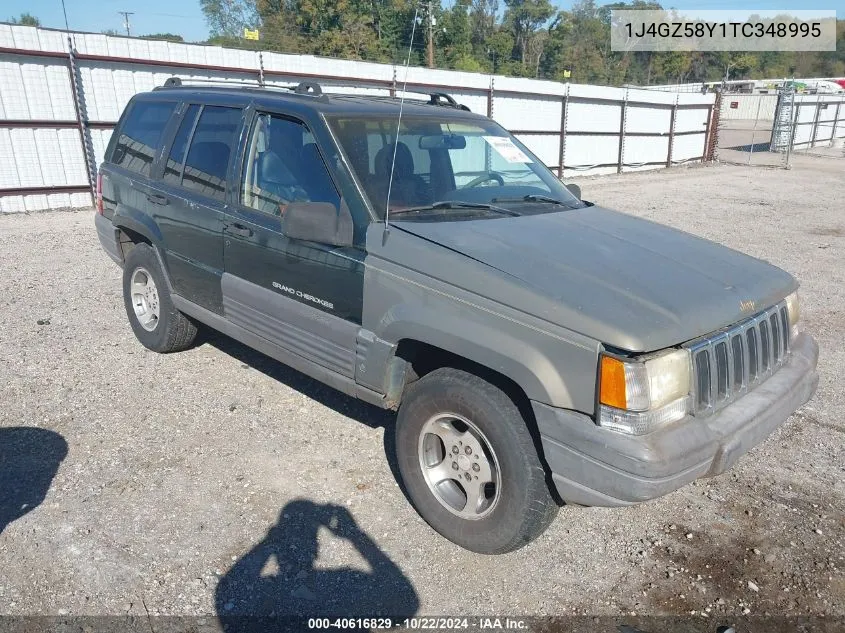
(538, 348)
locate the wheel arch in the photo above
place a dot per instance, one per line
(423, 358)
(137, 225)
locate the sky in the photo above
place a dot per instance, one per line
(184, 17)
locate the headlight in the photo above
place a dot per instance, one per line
(638, 395)
(793, 312)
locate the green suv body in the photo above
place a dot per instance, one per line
(539, 349)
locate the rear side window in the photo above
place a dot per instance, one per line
(140, 137)
(173, 168)
(212, 144)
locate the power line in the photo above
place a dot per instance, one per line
(126, 15)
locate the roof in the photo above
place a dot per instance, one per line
(326, 103)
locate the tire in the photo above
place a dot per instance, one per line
(157, 324)
(453, 404)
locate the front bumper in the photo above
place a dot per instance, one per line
(594, 466)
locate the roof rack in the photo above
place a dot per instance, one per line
(309, 88)
(434, 98)
(442, 99)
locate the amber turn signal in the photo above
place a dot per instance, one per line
(612, 381)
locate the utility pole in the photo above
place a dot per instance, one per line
(126, 15)
(431, 22)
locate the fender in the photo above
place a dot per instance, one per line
(481, 344)
(128, 218)
(551, 364)
(141, 223)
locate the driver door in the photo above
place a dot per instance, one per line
(302, 296)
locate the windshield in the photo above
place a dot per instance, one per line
(448, 168)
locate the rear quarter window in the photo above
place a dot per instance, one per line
(141, 134)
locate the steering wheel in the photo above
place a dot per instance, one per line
(490, 175)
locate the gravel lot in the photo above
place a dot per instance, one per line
(218, 481)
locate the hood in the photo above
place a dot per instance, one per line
(625, 281)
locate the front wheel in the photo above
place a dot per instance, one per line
(469, 463)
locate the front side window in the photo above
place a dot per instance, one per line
(283, 165)
(212, 144)
(140, 136)
(452, 165)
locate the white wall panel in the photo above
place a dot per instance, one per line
(546, 148)
(25, 157)
(50, 158)
(60, 92)
(7, 40)
(26, 37)
(8, 170)
(645, 149)
(588, 151)
(593, 117)
(688, 147)
(648, 120)
(540, 114)
(12, 92)
(73, 158)
(691, 120)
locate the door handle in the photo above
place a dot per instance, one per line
(157, 198)
(239, 229)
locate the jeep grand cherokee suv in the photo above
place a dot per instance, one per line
(538, 348)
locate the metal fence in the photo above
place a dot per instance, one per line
(768, 129)
(61, 94)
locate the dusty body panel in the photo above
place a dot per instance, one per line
(414, 289)
(625, 281)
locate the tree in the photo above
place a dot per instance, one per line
(169, 37)
(455, 37)
(229, 18)
(26, 19)
(523, 18)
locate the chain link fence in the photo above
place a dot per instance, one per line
(770, 129)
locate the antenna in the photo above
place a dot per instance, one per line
(64, 10)
(399, 120)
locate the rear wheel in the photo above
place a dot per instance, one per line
(469, 463)
(157, 324)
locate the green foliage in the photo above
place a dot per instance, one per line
(26, 19)
(528, 39)
(170, 37)
(229, 18)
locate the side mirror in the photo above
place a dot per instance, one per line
(574, 189)
(320, 222)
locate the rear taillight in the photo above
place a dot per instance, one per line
(100, 194)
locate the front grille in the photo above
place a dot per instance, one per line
(734, 360)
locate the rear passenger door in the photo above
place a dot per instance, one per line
(191, 201)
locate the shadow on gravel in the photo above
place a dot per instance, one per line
(279, 578)
(348, 406)
(756, 147)
(29, 459)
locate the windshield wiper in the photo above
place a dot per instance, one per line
(455, 204)
(532, 197)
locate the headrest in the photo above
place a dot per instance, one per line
(272, 169)
(404, 161)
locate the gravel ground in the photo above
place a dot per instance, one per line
(191, 476)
